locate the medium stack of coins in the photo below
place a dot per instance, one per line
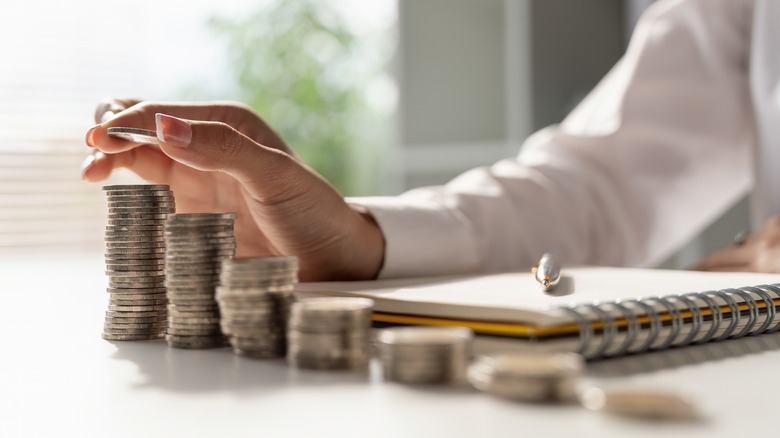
(254, 298)
(529, 376)
(425, 354)
(197, 245)
(135, 261)
(330, 333)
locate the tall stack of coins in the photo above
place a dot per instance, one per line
(427, 355)
(135, 261)
(197, 245)
(254, 298)
(330, 333)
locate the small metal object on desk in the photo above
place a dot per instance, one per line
(330, 333)
(649, 404)
(255, 296)
(532, 376)
(425, 355)
(547, 272)
(137, 135)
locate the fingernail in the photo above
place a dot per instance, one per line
(91, 136)
(173, 131)
(87, 163)
(106, 116)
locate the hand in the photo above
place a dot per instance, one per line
(760, 252)
(221, 157)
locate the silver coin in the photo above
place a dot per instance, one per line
(204, 330)
(203, 216)
(133, 239)
(136, 272)
(141, 302)
(136, 135)
(187, 296)
(141, 202)
(650, 403)
(114, 212)
(124, 291)
(136, 287)
(262, 354)
(189, 233)
(136, 187)
(112, 337)
(118, 229)
(138, 279)
(195, 342)
(155, 325)
(154, 308)
(155, 264)
(262, 263)
(139, 314)
(189, 321)
(116, 244)
(133, 331)
(134, 317)
(150, 250)
(142, 296)
(147, 196)
(183, 292)
(185, 308)
(257, 344)
(133, 222)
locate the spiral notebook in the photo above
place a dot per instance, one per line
(597, 311)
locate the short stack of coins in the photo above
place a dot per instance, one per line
(330, 333)
(135, 261)
(197, 245)
(425, 355)
(254, 296)
(528, 376)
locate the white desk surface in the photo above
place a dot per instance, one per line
(59, 378)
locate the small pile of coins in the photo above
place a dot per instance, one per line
(135, 261)
(197, 245)
(254, 296)
(425, 355)
(330, 333)
(529, 376)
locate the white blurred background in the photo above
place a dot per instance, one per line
(379, 96)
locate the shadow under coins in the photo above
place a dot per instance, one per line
(679, 357)
(214, 370)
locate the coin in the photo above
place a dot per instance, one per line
(656, 404)
(136, 135)
(195, 342)
(132, 337)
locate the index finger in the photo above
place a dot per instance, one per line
(142, 115)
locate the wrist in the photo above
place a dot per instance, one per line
(371, 243)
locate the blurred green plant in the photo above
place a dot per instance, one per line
(302, 68)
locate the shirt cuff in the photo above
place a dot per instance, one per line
(423, 237)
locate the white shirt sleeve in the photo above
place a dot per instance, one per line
(656, 151)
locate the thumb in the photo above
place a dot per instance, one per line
(215, 146)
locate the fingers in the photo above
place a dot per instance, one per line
(147, 162)
(141, 115)
(105, 111)
(269, 174)
(731, 256)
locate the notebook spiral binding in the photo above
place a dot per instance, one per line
(646, 328)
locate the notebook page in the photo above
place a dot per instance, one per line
(516, 297)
